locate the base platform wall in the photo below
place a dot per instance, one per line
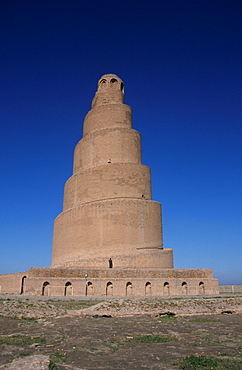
(230, 289)
(110, 282)
(13, 283)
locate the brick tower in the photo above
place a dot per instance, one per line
(108, 211)
(108, 239)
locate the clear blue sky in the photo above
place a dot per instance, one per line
(181, 65)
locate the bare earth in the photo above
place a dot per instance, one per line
(77, 333)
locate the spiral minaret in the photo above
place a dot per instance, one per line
(108, 211)
(108, 239)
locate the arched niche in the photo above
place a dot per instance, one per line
(184, 288)
(201, 288)
(23, 285)
(46, 288)
(109, 288)
(166, 288)
(68, 289)
(129, 288)
(148, 288)
(89, 288)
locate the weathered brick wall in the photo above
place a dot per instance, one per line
(120, 273)
(120, 287)
(121, 145)
(116, 282)
(107, 182)
(228, 289)
(93, 232)
(12, 283)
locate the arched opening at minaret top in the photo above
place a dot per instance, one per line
(103, 84)
(111, 81)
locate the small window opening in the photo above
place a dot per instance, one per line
(110, 263)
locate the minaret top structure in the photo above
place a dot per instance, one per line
(110, 91)
(112, 81)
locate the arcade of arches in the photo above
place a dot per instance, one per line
(67, 289)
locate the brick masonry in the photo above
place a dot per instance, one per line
(108, 239)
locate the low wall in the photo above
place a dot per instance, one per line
(13, 283)
(110, 282)
(230, 289)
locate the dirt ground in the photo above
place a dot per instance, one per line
(74, 336)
